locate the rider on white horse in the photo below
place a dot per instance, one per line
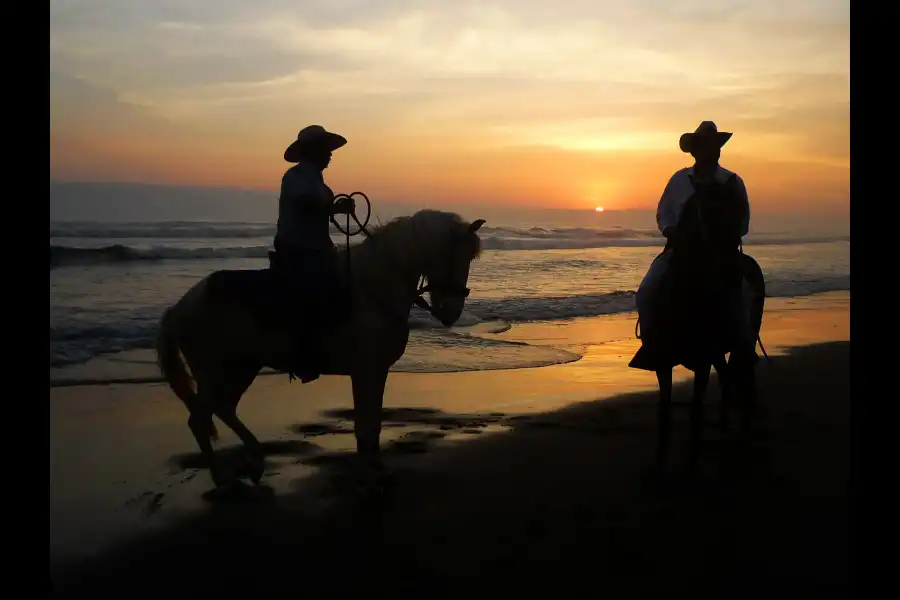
(705, 145)
(306, 254)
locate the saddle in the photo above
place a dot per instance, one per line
(337, 300)
(275, 298)
(259, 290)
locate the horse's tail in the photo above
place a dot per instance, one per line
(754, 276)
(172, 366)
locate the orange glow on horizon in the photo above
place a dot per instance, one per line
(520, 107)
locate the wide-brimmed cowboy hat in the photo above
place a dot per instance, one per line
(314, 136)
(706, 133)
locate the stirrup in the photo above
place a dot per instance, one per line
(304, 378)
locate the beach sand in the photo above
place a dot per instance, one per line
(509, 479)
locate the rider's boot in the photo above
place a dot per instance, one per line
(305, 355)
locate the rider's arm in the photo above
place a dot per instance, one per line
(742, 195)
(666, 215)
(343, 206)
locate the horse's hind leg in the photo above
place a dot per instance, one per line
(727, 390)
(201, 425)
(664, 420)
(701, 382)
(742, 366)
(228, 392)
(215, 395)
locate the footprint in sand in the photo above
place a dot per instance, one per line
(151, 501)
(234, 457)
(138, 498)
(415, 442)
(239, 493)
(154, 505)
(409, 447)
(316, 429)
(425, 435)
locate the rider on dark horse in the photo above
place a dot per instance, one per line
(306, 258)
(703, 213)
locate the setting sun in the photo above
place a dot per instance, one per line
(599, 209)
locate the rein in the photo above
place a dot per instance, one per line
(421, 287)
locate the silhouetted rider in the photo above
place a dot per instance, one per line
(705, 145)
(305, 252)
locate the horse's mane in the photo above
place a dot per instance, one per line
(713, 212)
(426, 224)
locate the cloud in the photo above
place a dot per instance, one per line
(407, 43)
(587, 76)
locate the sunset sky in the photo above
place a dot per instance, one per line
(569, 103)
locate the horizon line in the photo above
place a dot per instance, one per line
(461, 203)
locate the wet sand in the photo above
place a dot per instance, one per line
(511, 479)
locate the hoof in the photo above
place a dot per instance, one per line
(369, 489)
(255, 471)
(369, 479)
(221, 479)
(377, 474)
(237, 493)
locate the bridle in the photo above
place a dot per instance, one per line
(449, 288)
(715, 258)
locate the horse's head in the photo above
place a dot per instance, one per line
(711, 218)
(439, 246)
(449, 245)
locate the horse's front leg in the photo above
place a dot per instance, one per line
(727, 390)
(664, 417)
(701, 382)
(368, 398)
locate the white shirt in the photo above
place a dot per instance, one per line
(679, 190)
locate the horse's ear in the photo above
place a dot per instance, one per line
(476, 225)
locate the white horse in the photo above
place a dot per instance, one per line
(222, 329)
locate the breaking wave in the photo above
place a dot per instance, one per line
(491, 239)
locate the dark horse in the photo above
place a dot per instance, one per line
(695, 311)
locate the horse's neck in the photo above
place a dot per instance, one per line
(383, 269)
(691, 223)
(693, 251)
(711, 215)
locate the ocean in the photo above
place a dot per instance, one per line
(110, 282)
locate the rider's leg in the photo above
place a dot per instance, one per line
(648, 291)
(738, 315)
(299, 322)
(318, 279)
